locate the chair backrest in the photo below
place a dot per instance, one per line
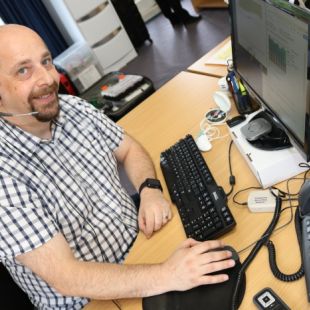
(12, 297)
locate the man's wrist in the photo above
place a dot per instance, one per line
(151, 184)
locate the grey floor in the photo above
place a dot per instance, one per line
(174, 49)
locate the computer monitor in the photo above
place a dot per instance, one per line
(271, 55)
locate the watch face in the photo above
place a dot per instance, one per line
(153, 183)
(150, 183)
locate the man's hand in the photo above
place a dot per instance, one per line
(154, 211)
(191, 264)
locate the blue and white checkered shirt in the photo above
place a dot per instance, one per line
(68, 185)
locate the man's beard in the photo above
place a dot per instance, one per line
(49, 111)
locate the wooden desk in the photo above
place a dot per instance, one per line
(204, 4)
(169, 114)
(201, 66)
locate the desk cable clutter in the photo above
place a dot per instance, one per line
(216, 116)
(227, 295)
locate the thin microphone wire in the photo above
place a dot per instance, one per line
(17, 114)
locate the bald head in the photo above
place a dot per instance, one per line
(14, 29)
(28, 78)
(14, 38)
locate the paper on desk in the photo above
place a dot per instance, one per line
(221, 56)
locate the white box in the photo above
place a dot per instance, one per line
(269, 167)
(81, 65)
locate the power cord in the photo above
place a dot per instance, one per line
(118, 306)
(232, 179)
(282, 195)
(241, 191)
(264, 240)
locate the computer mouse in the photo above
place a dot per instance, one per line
(203, 142)
(234, 253)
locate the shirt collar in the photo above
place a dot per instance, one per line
(27, 141)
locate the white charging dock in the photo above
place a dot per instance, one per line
(269, 167)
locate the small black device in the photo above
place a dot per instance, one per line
(266, 133)
(235, 120)
(150, 183)
(201, 203)
(268, 299)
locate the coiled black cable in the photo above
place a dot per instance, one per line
(254, 251)
(272, 257)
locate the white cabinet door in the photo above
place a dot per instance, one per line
(147, 8)
(103, 31)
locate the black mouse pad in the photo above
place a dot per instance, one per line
(211, 297)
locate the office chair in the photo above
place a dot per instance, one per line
(12, 297)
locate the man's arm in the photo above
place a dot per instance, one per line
(154, 209)
(188, 267)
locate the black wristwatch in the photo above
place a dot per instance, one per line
(150, 183)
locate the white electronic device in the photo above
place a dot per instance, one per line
(262, 200)
(223, 85)
(203, 142)
(222, 101)
(269, 167)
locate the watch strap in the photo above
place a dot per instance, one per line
(150, 183)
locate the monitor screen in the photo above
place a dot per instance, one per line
(270, 41)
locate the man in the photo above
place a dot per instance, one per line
(173, 10)
(66, 223)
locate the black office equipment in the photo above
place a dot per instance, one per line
(267, 299)
(205, 297)
(304, 211)
(201, 203)
(270, 136)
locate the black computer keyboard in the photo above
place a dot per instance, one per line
(201, 203)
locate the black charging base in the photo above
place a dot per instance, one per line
(276, 139)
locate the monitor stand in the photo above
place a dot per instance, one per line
(267, 160)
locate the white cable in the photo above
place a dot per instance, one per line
(212, 132)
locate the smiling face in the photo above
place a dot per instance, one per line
(28, 79)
